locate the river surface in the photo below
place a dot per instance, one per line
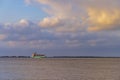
(60, 69)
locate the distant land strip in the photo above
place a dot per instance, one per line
(15, 57)
(83, 57)
(60, 57)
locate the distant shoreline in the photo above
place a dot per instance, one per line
(15, 57)
(58, 57)
(82, 57)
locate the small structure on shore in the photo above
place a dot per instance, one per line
(35, 55)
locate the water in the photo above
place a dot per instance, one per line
(60, 69)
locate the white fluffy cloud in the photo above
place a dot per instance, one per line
(24, 22)
(91, 15)
(49, 22)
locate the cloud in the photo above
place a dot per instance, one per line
(95, 42)
(61, 17)
(49, 22)
(26, 34)
(81, 23)
(24, 22)
(72, 25)
(34, 44)
(104, 19)
(2, 36)
(80, 15)
(19, 36)
(73, 43)
(27, 1)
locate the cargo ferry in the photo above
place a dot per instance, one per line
(39, 56)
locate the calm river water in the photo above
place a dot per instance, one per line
(60, 69)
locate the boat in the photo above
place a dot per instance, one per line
(38, 56)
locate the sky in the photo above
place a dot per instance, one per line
(60, 28)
